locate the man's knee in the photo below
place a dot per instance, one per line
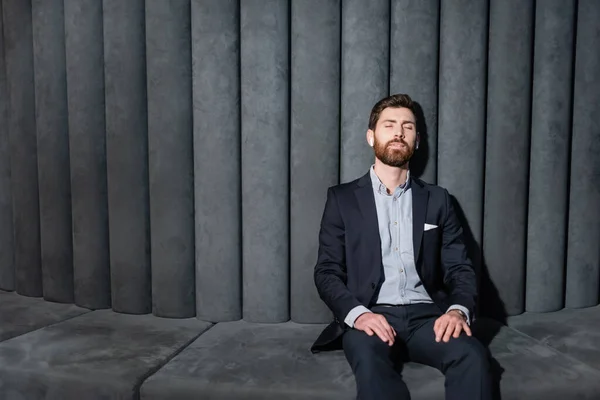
(364, 350)
(467, 351)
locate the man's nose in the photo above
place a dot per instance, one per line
(399, 133)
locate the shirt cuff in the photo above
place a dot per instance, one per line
(354, 314)
(461, 308)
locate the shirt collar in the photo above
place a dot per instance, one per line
(379, 187)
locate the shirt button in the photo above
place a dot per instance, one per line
(395, 223)
(401, 270)
(396, 249)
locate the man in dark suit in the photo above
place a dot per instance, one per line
(393, 268)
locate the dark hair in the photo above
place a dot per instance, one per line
(394, 101)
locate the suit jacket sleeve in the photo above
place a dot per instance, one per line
(459, 276)
(330, 273)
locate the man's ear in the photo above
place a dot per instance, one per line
(371, 137)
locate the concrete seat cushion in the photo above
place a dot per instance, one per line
(98, 355)
(240, 360)
(528, 369)
(575, 332)
(21, 314)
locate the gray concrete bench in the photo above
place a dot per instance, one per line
(241, 360)
(106, 355)
(98, 355)
(20, 314)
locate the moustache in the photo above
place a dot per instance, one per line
(397, 141)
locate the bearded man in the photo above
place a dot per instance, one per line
(393, 268)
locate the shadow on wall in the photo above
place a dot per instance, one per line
(419, 160)
(491, 311)
(490, 306)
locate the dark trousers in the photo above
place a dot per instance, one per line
(377, 366)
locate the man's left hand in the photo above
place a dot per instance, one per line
(449, 325)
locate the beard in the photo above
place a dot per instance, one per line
(394, 157)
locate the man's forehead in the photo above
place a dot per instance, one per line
(403, 114)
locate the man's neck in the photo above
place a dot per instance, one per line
(391, 177)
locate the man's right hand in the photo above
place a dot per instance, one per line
(372, 323)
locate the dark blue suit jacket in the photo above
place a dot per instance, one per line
(349, 269)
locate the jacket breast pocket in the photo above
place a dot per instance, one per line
(432, 241)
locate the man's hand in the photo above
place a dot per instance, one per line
(372, 323)
(449, 325)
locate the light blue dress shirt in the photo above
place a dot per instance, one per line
(402, 284)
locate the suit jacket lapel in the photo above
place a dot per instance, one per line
(366, 203)
(420, 196)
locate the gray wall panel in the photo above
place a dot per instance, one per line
(314, 146)
(85, 88)
(53, 149)
(173, 156)
(364, 79)
(216, 94)
(169, 70)
(550, 142)
(461, 137)
(507, 150)
(265, 159)
(583, 260)
(18, 43)
(414, 43)
(7, 265)
(127, 155)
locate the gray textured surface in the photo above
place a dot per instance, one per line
(264, 27)
(550, 145)
(99, 355)
(18, 52)
(53, 149)
(7, 265)
(461, 137)
(414, 48)
(583, 257)
(364, 79)
(241, 360)
(217, 183)
(20, 314)
(170, 143)
(315, 125)
(570, 331)
(534, 371)
(507, 147)
(87, 144)
(254, 361)
(127, 155)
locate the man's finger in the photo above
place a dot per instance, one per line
(381, 334)
(457, 330)
(385, 327)
(449, 331)
(385, 332)
(388, 328)
(441, 323)
(368, 331)
(467, 328)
